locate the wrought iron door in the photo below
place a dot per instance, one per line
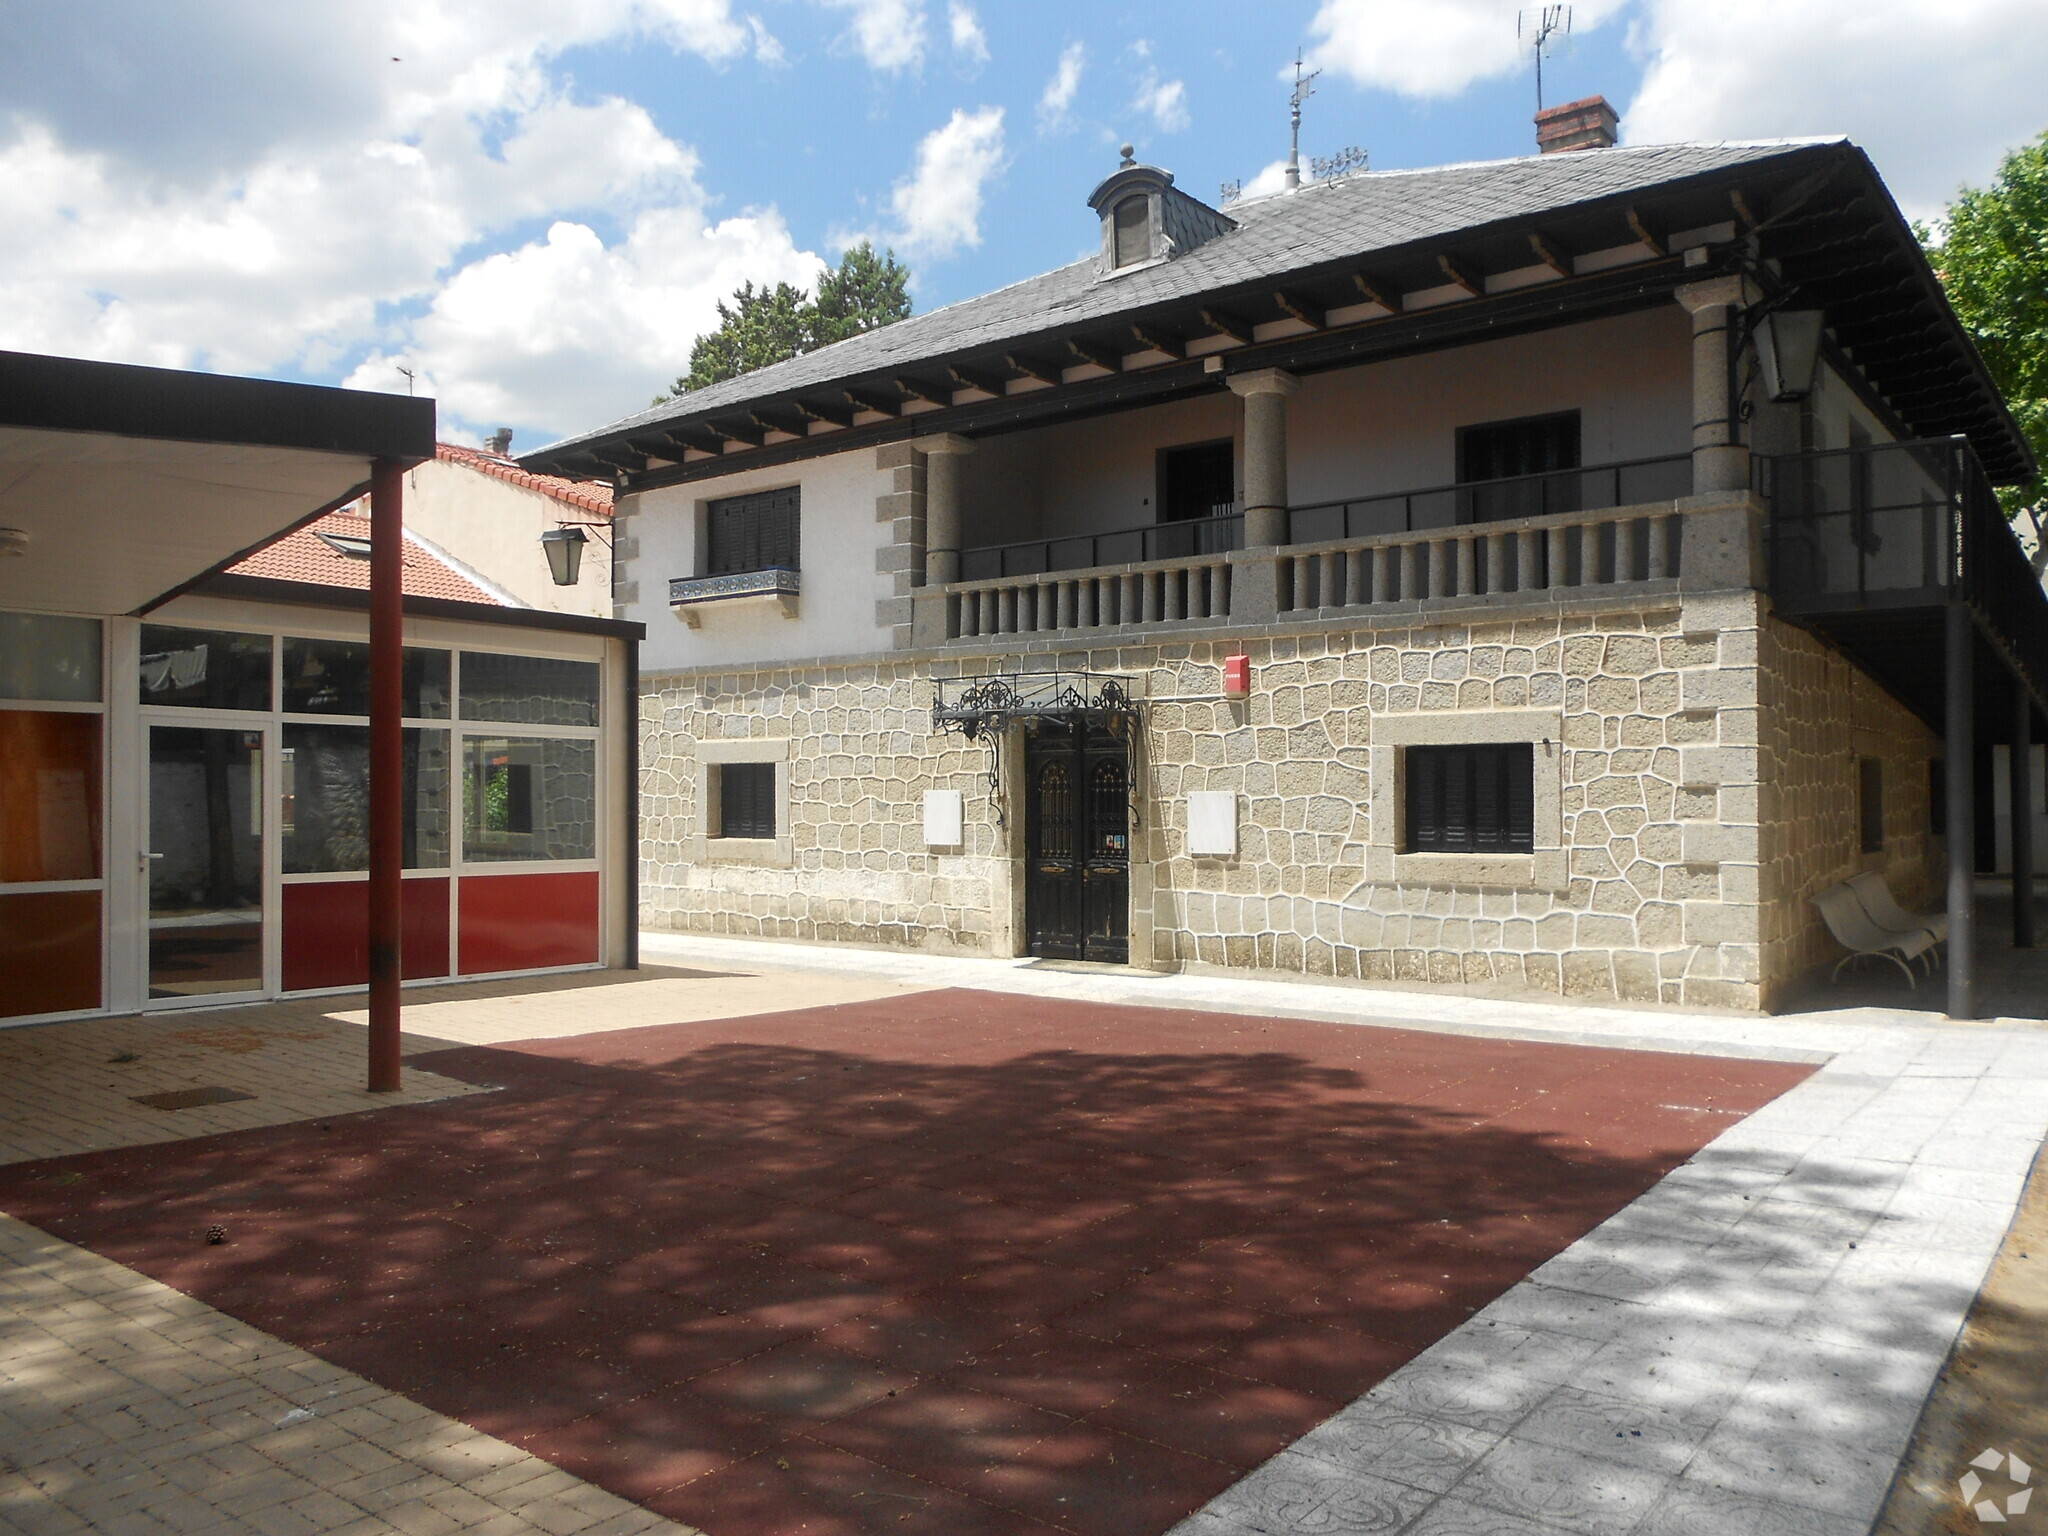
(1077, 891)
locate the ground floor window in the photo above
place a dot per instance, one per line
(1471, 799)
(1870, 802)
(746, 799)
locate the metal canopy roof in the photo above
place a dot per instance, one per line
(131, 482)
(1821, 219)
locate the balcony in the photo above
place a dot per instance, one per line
(1868, 547)
(1610, 525)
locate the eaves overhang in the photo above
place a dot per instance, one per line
(1814, 217)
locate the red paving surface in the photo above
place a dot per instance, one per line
(952, 1263)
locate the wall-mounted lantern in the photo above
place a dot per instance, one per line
(564, 548)
(1788, 346)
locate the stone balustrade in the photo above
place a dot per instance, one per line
(1566, 550)
(1108, 597)
(1535, 557)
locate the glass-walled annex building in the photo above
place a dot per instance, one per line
(184, 805)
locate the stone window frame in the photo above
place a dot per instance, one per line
(1543, 869)
(777, 852)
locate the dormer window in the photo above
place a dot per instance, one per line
(1133, 230)
(1146, 219)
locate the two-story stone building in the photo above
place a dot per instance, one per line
(1532, 573)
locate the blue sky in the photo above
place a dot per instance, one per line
(534, 205)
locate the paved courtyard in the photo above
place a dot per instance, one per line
(948, 1245)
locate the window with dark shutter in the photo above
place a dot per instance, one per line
(1133, 223)
(752, 533)
(1870, 802)
(1471, 799)
(746, 800)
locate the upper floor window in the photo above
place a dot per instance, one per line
(752, 533)
(1534, 445)
(1132, 222)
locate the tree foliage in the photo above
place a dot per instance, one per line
(1992, 256)
(770, 325)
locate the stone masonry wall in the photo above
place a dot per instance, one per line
(1654, 894)
(1819, 715)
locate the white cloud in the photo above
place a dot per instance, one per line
(543, 332)
(352, 236)
(1060, 89)
(969, 41)
(1433, 47)
(1934, 95)
(1165, 100)
(1273, 178)
(938, 206)
(889, 34)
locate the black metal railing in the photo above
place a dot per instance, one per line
(1119, 546)
(1631, 483)
(1900, 525)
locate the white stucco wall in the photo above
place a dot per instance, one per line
(494, 527)
(838, 537)
(1388, 426)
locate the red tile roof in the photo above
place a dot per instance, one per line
(305, 556)
(585, 495)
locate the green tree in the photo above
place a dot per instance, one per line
(770, 325)
(1992, 256)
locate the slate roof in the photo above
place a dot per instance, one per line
(303, 556)
(1276, 236)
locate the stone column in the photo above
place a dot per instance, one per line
(1720, 460)
(943, 453)
(1265, 395)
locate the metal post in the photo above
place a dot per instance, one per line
(387, 765)
(2020, 781)
(1960, 779)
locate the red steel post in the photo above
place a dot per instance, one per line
(387, 765)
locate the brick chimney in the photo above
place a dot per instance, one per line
(1587, 124)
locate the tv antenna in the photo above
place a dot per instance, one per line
(410, 377)
(1537, 28)
(1304, 87)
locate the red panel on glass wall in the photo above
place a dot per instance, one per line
(49, 952)
(523, 922)
(327, 933)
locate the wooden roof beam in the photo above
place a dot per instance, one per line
(975, 378)
(770, 423)
(1223, 323)
(1559, 261)
(1461, 275)
(830, 415)
(1310, 315)
(1652, 239)
(919, 389)
(1377, 292)
(1092, 352)
(617, 456)
(749, 436)
(1033, 368)
(1152, 338)
(873, 400)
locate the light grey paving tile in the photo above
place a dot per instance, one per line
(1453, 1516)
(1690, 1509)
(1491, 1400)
(1484, 1344)
(1620, 1427)
(1813, 1471)
(1586, 1494)
(1297, 1496)
(1533, 1305)
(1404, 1447)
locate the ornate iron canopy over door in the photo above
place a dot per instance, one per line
(1078, 830)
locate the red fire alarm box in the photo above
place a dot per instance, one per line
(1237, 676)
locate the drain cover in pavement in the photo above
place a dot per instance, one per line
(190, 1098)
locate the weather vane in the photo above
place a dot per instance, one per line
(1304, 87)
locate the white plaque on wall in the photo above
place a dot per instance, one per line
(1212, 823)
(944, 818)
